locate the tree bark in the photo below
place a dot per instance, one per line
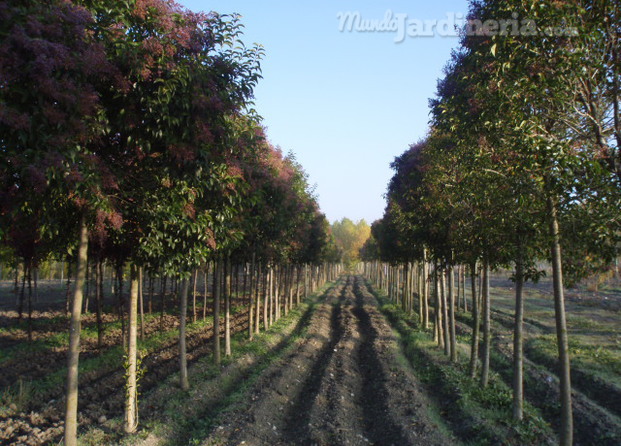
(451, 298)
(99, 301)
(216, 311)
(141, 301)
(71, 408)
(251, 303)
(561, 328)
(445, 315)
(183, 360)
(131, 397)
(487, 341)
(227, 307)
(474, 347)
(194, 295)
(518, 341)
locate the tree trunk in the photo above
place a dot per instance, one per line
(131, 387)
(141, 301)
(194, 296)
(162, 301)
(474, 347)
(121, 303)
(445, 315)
(257, 295)
(227, 307)
(561, 328)
(266, 297)
(183, 360)
(216, 310)
(251, 303)
(71, 408)
(451, 297)
(487, 338)
(518, 341)
(30, 302)
(425, 291)
(205, 290)
(99, 301)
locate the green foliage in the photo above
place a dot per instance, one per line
(350, 237)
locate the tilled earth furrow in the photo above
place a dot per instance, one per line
(395, 403)
(336, 417)
(282, 397)
(342, 386)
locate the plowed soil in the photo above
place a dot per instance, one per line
(344, 385)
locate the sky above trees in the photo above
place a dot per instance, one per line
(346, 103)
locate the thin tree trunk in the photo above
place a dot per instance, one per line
(216, 310)
(487, 338)
(141, 300)
(561, 328)
(425, 291)
(99, 301)
(266, 297)
(257, 295)
(451, 297)
(20, 309)
(131, 387)
(205, 290)
(518, 341)
(30, 302)
(474, 347)
(445, 316)
(151, 291)
(227, 307)
(121, 301)
(71, 407)
(194, 296)
(183, 360)
(162, 301)
(251, 302)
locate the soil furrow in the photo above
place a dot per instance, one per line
(343, 385)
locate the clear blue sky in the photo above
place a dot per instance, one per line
(345, 103)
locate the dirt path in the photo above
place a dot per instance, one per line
(343, 385)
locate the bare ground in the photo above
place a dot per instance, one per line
(343, 385)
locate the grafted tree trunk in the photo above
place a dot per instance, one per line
(71, 407)
(131, 386)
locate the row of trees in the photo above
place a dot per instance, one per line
(521, 163)
(127, 136)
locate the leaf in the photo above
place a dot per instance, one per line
(493, 49)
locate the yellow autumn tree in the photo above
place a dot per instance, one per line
(350, 237)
